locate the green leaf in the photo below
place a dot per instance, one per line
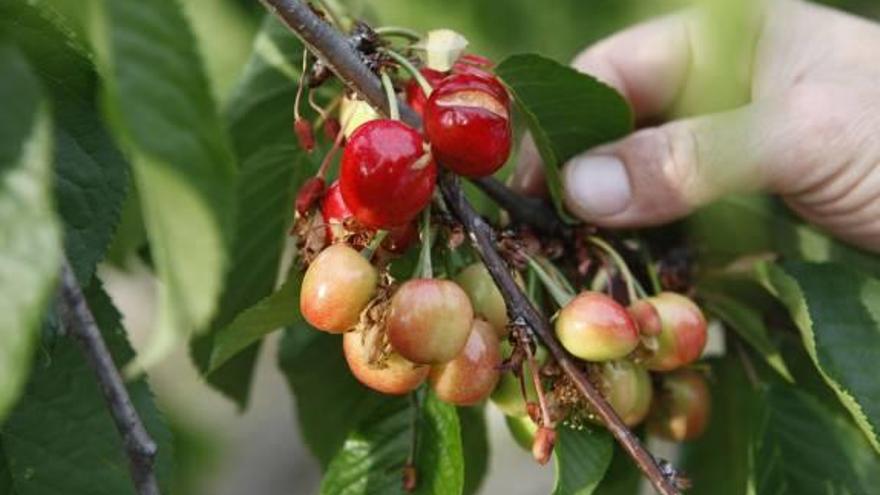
(748, 324)
(330, 402)
(764, 224)
(272, 167)
(91, 176)
(475, 446)
(623, 476)
(801, 448)
(29, 238)
(836, 309)
(567, 112)
(582, 458)
(278, 310)
(718, 462)
(160, 105)
(60, 438)
(373, 457)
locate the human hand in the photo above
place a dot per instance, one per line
(810, 130)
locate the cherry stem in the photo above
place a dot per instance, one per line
(374, 244)
(561, 294)
(632, 285)
(656, 286)
(328, 158)
(413, 71)
(300, 86)
(425, 268)
(399, 31)
(539, 387)
(391, 95)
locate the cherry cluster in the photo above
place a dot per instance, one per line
(453, 331)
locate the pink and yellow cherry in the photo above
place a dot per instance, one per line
(471, 376)
(386, 177)
(594, 327)
(429, 320)
(336, 287)
(485, 297)
(627, 387)
(507, 395)
(396, 376)
(467, 121)
(682, 407)
(676, 324)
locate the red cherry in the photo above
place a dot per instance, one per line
(677, 326)
(415, 97)
(472, 375)
(336, 288)
(395, 376)
(681, 411)
(467, 121)
(594, 327)
(386, 176)
(429, 321)
(337, 215)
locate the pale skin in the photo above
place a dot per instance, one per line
(808, 128)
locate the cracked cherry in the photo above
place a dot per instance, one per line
(467, 121)
(336, 287)
(594, 327)
(471, 376)
(394, 376)
(386, 176)
(681, 411)
(429, 320)
(337, 218)
(415, 97)
(675, 329)
(627, 387)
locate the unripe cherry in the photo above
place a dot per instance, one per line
(336, 287)
(507, 395)
(386, 176)
(678, 327)
(396, 376)
(594, 327)
(429, 320)
(627, 388)
(471, 376)
(682, 407)
(485, 297)
(415, 97)
(523, 430)
(467, 121)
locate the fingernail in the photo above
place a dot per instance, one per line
(596, 186)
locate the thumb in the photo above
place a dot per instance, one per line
(662, 173)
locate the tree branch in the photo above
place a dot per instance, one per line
(332, 47)
(531, 211)
(79, 321)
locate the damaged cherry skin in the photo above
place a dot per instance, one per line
(467, 121)
(677, 326)
(386, 176)
(682, 408)
(471, 376)
(395, 376)
(429, 320)
(336, 287)
(594, 327)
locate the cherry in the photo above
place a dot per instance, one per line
(485, 297)
(508, 395)
(522, 429)
(676, 327)
(627, 387)
(681, 411)
(429, 320)
(467, 121)
(386, 177)
(337, 218)
(336, 287)
(395, 376)
(472, 375)
(594, 327)
(415, 97)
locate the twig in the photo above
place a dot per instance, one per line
(341, 57)
(79, 321)
(534, 212)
